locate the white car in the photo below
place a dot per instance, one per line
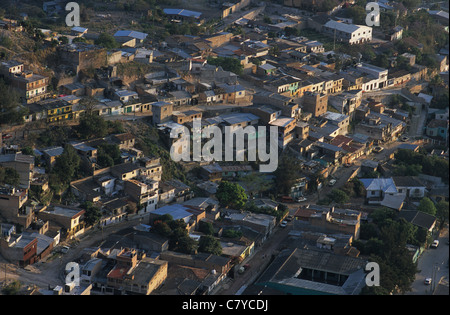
(332, 182)
(435, 244)
(283, 223)
(301, 199)
(428, 281)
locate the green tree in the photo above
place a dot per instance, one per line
(10, 110)
(162, 228)
(228, 64)
(427, 206)
(256, 184)
(442, 209)
(206, 228)
(287, 173)
(358, 14)
(67, 165)
(107, 41)
(92, 126)
(180, 241)
(231, 233)
(108, 155)
(92, 214)
(209, 244)
(338, 196)
(231, 195)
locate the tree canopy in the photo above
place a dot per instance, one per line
(231, 195)
(227, 64)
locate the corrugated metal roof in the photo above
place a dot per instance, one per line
(133, 34)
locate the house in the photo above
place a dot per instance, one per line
(315, 103)
(212, 172)
(31, 87)
(80, 56)
(379, 126)
(437, 129)
(378, 74)
(328, 220)
(125, 96)
(262, 223)
(125, 36)
(68, 219)
(379, 190)
(348, 33)
(144, 195)
(19, 248)
(125, 171)
(346, 102)
(285, 126)
(190, 215)
(395, 33)
(9, 68)
(50, 154)
(22, 164)
(79, 31)
(285, 85)
(399, 77)
(340, 120)
(124, 140)
(136, 275)
(162, 112)
(183, 15)
(419, 219)
(410, 186)
(13, 205)
(265, 203)
(232, 94)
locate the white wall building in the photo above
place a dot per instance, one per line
(348, 33)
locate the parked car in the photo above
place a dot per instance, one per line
(301, 199)
(435, 244)
(6, 136)
(404, 138)
(332, 182)
(283, 223)
(65, 249)
(428, 281)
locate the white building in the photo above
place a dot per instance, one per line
(348, 33)
(377, 76)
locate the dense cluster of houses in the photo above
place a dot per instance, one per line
(320, 113)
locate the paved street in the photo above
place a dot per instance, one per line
(257, 262)
(433, 263)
